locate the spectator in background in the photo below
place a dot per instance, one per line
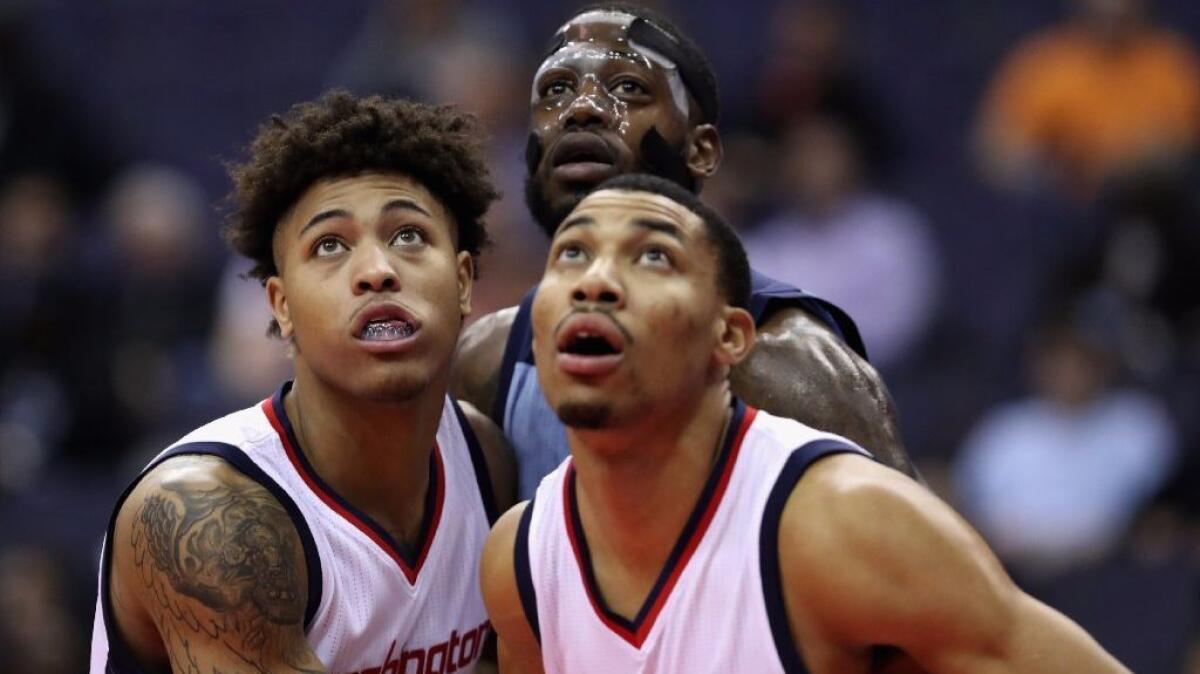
(838, 238)
(1054, 480)
(161, 311)
(808, 71)
(1104, 94)
(40, 632)
(400, 45)
(53, 344)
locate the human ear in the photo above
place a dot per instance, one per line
(705, 151)
(277, 298)
(737, 336)
(466, 281)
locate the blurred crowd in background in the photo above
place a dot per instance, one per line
(1004, 194)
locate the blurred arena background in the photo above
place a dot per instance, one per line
(1004, 193)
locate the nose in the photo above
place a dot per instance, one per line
(599, 285)
(373, 271)
(591, 107)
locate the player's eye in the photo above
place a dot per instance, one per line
(556, 88)
(655, 256)
(408, 236)
(629, 87)
(328, 246)
(571, 253)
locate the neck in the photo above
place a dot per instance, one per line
(373, 453)
(637, 486)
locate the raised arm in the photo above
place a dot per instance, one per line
(799, 369)
(209, 573)
(518, 649)
(870, 559)
(476, 370)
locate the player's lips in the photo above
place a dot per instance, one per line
(385, 327)
(582, 157)
(589, 345)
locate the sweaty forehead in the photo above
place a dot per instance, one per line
(596, 37)
(597, 24)
(624, 205)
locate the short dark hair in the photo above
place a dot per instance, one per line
(340, 135)
(707, 84)
(733, 269)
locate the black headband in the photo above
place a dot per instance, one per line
(691, 70)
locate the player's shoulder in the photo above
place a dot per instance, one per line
(475, 372)
(497, 453)
(203, 462)
(480, 335)
(852, 508)
(242, 429)
(497, 564)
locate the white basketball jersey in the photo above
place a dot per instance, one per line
(371, 608)
(717, 605)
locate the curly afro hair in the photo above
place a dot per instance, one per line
(342, 135)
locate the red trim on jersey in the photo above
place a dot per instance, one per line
(334, 501)
(638, 637)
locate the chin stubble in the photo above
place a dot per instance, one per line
(589, 416)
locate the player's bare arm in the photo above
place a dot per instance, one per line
(213, 570)
(801, 370)
(475, 374)
(872, 561)
(502, 466)
(518, 650)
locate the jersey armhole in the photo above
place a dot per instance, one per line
(772, 581)
(518, 347)
(120, 658)
(524, 575)
(483, 476)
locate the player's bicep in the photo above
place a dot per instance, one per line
(912, 574)
(219, 569)
(517, 648)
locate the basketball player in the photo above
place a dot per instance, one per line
(337, 526)
(689, 532)
(620, 90)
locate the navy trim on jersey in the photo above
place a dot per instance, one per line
(479, 460)
(120, 658)
(524, 576)
(409, 554)
(799, 461)
(732, 433)
(519, 347)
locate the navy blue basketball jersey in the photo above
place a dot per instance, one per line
(539, 438)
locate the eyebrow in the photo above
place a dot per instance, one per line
(576, 221)
(663, 226)
(668, 228)
(393, 205)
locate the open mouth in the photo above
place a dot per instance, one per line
(383, 330)
(590, 345)
(385, 323)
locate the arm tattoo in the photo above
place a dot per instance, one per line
(229, 549)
